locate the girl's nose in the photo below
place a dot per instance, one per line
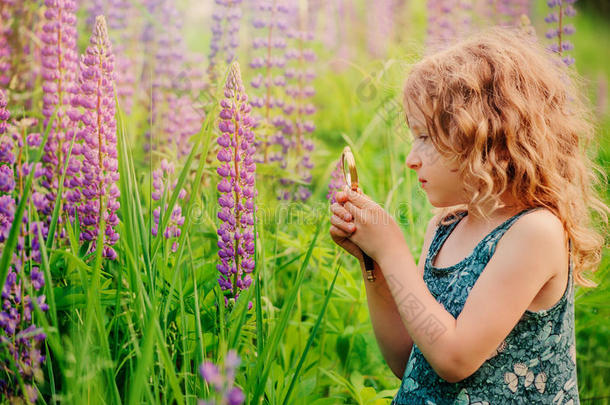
(413, 161)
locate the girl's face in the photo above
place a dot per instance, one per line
(440, 181)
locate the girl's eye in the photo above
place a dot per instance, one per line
(423, 137)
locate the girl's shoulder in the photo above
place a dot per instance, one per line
(540, 219)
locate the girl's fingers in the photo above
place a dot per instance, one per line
(341, 212)
(338, 232)
(353, 210)
(347, 227)
(341, 196)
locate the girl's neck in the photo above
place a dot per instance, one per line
(511, 207)
(497, 217)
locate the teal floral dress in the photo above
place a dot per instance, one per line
(535, 364)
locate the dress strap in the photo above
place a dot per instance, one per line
(488, 243)
(491, 240)
(441, 233)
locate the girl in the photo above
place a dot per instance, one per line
(487, 316)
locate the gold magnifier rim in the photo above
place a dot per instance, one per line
(348, 156)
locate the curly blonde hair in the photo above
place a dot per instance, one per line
(515, 121)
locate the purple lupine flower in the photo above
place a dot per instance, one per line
(297, 130)
(271, 21)
(162, 186)
(380, 24)
(162, 57)
(330, 30)
(95, 8)
(19, 53)
(225, 33)
(98, 195)
(512, 10)
(441, 27)
(17, 332)
(182, 122)
(7, 181)
(560, 10)
(237, 187)
(4, 113)
(59, 61)
(337, 182)
(222, 381)
(117, 13)
(174, 117)
(5, 47)
(346, 14)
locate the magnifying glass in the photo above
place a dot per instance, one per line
(350, 174)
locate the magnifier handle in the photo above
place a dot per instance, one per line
(369, 266)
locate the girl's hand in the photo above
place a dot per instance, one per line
(342, 228)
(375, 232)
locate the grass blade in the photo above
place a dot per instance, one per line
(311, 337)
(264, 361)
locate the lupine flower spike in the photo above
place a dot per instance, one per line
(512, 10)
(100, 166)
(117, 13)
(441, 27)
(225, 33)
(18, 334)
(59, 61)
(557, 18)
(5, 47)
(336, 182)
(270, 22)
(237, 187)
(299, 129)
(162, 185)
(380, 21)
(222, 382)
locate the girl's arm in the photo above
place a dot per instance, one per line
(526, 257)
(529, 254)
(392, 337)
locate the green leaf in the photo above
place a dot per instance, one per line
(266, 358)
(311, 337)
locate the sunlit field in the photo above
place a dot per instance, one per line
(166, 172)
